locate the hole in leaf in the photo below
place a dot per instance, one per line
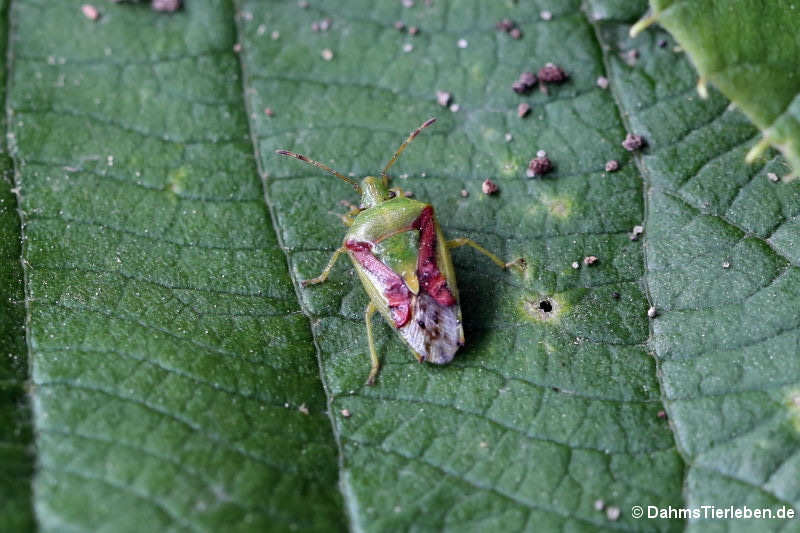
(542, 307)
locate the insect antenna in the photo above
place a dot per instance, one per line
(403, 147)
(317, 164)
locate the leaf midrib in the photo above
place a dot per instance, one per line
(646, 181)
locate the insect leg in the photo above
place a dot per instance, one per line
(519, 263)
(347, 220)
(373, 354)
(322, 277)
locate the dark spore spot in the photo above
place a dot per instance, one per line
(546, 306)
(421, 323)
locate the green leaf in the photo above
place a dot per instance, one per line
(722, 270)
(169, 355)
(182, 379)
(750, 51)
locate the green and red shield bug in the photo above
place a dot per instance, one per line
(403, 260)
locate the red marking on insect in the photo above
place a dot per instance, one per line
(431, 279)
(397, 293)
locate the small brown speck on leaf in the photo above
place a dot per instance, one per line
(524, 83)
(303, 409)
(552, 73)
(612, 165)
(443, 98)
(510, 27)
(539, 166)
(399, 25)
(523, 109)
(90, 12)
(327, 54)
(489, 187)
(652, 312)
(167, 6)
(590, 260)
(633, 142)
(506, 25)
(345, 413)
(602, 82)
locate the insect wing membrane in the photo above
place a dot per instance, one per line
(434, 331)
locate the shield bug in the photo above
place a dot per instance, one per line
(399, 251)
